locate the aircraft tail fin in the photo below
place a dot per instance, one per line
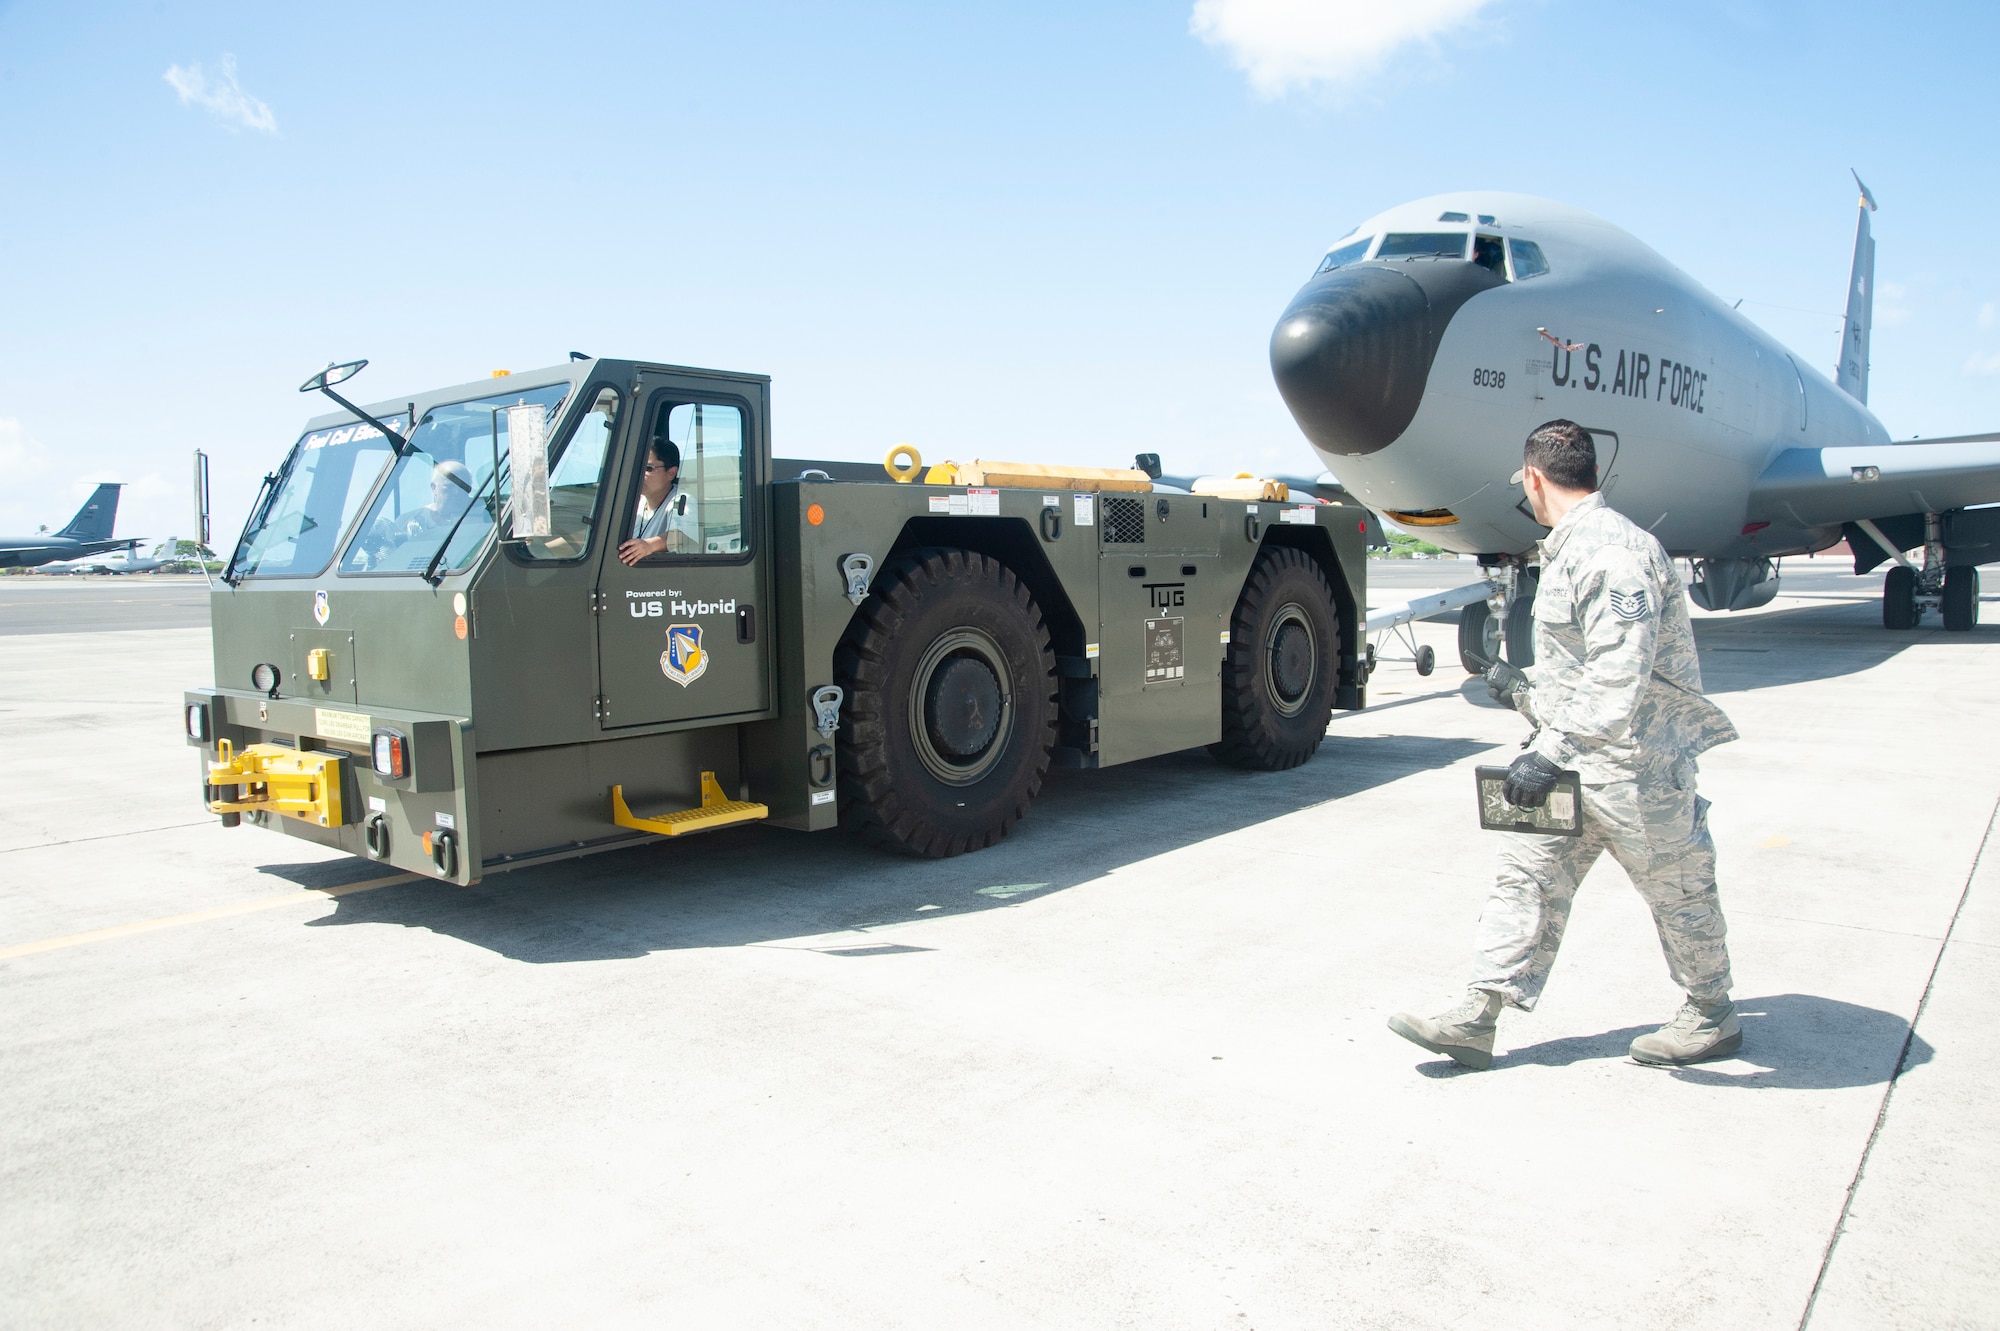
(94, 521)
(1852, 373)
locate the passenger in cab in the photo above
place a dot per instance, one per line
(662, 524)
(451, 488)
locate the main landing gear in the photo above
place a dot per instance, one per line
(1908, 591)
(1503, 623)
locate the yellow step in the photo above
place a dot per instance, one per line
(716, 811)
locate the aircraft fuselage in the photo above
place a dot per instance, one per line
(1416, 378)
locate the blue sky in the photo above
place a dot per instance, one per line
(1043, 231)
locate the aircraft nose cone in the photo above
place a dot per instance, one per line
(1353, 352)
(1351, 355)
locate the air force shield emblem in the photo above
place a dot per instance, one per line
(320, 608)
(684, 661)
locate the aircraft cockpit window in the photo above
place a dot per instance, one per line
(1528, 260)
(1486, 219)
(1351, 252)
(1453, 217)
(1487, 253)
(1422, 245)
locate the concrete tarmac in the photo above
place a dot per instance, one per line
(101, 603)
(1127, 1069)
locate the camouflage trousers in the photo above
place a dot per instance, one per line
(1657, 828)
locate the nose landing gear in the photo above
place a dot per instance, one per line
(1502, 624)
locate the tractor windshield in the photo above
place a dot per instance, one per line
(315, 496)
(438, 501)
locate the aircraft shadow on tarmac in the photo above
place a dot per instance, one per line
(760, 885)
(1791, 1042)
(1797, 644)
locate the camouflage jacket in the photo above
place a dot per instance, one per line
(1616, 686)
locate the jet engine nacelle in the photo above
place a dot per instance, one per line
(1732, 584)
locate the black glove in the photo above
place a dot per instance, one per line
(1529, 781)
(1506, 685)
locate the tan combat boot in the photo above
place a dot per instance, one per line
(1698, 1032)
(1464, 1034)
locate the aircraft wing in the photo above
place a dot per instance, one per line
(1819, 487)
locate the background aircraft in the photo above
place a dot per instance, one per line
(88, 533)
(114, 561)
(1436, 335)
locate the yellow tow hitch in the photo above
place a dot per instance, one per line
(270, 778)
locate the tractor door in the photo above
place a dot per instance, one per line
(682, 628)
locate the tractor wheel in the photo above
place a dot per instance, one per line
(951, 705)
(1282, 666)
(1961, 598)
(1899, 599)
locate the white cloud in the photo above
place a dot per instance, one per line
(1984, 366)
(20, 456)
(223, 97)
(1987, 315)
(1288, 44)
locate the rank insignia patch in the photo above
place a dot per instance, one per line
(1628, 605)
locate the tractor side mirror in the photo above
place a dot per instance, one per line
(333, 374)
(528, 468)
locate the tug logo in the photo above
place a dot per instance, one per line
(684, 661)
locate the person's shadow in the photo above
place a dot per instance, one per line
(1791, 1042)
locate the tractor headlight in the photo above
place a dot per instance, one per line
(391, 752)
(197, 722)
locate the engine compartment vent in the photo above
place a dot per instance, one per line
(1124, 519)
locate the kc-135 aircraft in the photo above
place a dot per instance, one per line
(88, 533)
(1436, 335)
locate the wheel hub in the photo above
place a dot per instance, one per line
(962, 707)
(1291, 662)
(1292, 655)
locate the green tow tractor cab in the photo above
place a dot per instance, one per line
(558, 612)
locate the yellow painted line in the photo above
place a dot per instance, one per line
(198, 916)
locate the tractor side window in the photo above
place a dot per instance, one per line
(1528, 260)
(576, 478)
(1486, 252)
(691, 485)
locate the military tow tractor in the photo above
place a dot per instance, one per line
(558, 612)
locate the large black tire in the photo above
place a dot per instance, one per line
(1282, 666)
(1478, 638)
(951, 705)
(1521, 624)
(1899, 599)
(1961, 598)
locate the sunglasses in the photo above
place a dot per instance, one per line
(652, 467)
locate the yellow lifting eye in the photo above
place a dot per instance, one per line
(318, 665)
(903, 473)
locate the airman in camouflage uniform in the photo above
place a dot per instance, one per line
(1615, 695)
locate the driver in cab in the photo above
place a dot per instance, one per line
(662, 523)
